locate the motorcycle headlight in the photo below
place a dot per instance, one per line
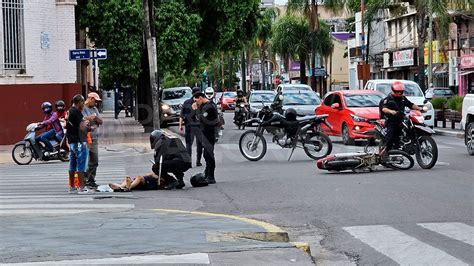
(358, 118)
(165, 107)
(242, 105)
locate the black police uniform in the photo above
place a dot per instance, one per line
(393, 123)
(191, 129)
(208, 116)
(176, 160)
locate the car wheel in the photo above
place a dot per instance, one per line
(469, 138)
(346, 139)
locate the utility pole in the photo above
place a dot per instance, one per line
(149, 14)
(243, 72)
(430, 44)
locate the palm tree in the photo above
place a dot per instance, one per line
(264, 32)
(437, 10)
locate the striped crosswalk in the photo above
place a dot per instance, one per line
(405, 249)
(40, 189)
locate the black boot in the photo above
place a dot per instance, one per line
(181, 183)
(172, 185)
(210, 180)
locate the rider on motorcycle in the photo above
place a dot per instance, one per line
(209, 92)
(392, 110)
(238, 100)
(54, 130)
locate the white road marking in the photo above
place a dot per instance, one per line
(400, 247)
(194, 258)
(40, 212)
(33, 200)
(66, 206)
(459, 231)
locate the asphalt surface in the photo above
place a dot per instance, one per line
(384, 217)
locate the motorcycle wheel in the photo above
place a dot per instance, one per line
(22, 155)
(399, 160)
(317, 145)
(427, 154)
(63, 156)
(253, 152)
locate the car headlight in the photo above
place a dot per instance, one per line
(165, 107)
(358, 118)
(429, 106)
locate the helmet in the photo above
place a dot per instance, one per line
(196, 89)
(209, 92)
(155, 137)
(290, 114)
(60, 105)
(398, 88)
(47, 108)
(240, 93)
(198, 180)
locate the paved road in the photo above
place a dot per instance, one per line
(386, 217)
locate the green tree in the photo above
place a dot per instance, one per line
(264, 33)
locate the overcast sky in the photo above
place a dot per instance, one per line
(280, 2)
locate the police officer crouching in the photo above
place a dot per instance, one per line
(173, 156)
(206, 112)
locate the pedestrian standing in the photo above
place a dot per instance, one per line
(191, 127)
(90, 109)
(77, 127)
(206, 112)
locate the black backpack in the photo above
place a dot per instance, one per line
(199, 180)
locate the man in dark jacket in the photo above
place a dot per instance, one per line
(170, 158)
(191, 127)
(207, 114)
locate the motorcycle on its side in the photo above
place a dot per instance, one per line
(302, 133)
(28, 149)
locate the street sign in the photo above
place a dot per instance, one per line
(79, 54)
(101, 54)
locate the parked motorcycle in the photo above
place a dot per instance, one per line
(241, 115)
(302, 133)
(416, 139)
(28, 149)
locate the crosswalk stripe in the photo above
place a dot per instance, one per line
(194, 258)
(34, 200)
(73, 196)
(66, 206)
(400, 247)
(41, 212)
(459, 231)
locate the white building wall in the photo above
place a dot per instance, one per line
(49, 65)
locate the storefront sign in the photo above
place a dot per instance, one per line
(386, 60)
(295, 66)
(467, 61)
(439, 56)
(403, 58)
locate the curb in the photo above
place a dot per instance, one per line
(304, 246)
(272, 232)
(449, 133)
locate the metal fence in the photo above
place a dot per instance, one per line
(13, 36)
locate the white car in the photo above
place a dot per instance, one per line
(412, 91)
(467, 122)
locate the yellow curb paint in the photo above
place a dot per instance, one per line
(303, 246)
(217, 236)
(267, 226)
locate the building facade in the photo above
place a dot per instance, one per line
(36, 37)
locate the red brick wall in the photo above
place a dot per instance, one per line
(21, 105)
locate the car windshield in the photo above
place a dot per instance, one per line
(177, 94)
(362, 100)
(294, 88)
(262, 97)
(442, 92)
(410, 89)
(230, 94)
(301, 99)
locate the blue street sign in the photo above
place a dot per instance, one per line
(79, 54)
(319, 72)
(101, 54)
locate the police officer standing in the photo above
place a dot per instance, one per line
(392, 109)
(206, 112)
(191, 127)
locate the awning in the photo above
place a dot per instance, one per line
(440, 69)
(466, 73)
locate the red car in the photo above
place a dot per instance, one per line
(350, 112)
(228, 100)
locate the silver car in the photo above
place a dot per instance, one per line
(171, 103)
(304, 102)
(258, 99)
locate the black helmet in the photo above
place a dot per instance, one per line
(47, 108)
(196, 89)
(240, 93)
(199, 180)
(60, 105)
(154, 137)
(290, 114)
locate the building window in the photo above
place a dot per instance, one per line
(400, 26)
(13, 49)
(409, 25)
(389, 26)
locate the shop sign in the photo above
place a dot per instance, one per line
(403, 58)
(386, 60)
(467, 61)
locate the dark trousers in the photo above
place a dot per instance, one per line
(394, 130)
(175, 167)
(191, 133)
(208, 141)
(93, 161)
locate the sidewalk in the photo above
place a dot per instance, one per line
(457, 132)
(147, 235)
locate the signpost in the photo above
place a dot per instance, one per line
(88, 54)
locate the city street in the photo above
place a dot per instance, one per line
(385, 217)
